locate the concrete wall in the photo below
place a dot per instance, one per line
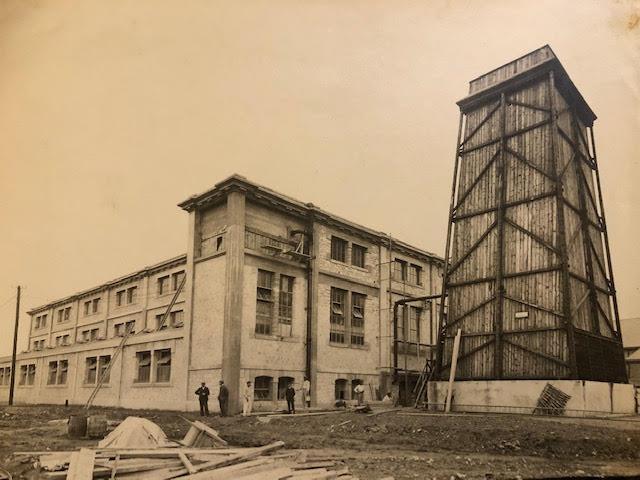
(120, 390)
(498, 395)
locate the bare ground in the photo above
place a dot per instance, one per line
(404, 446)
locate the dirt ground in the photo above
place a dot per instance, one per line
(392, 444)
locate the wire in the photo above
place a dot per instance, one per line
(7, 301)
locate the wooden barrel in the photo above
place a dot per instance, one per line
(96, 426)
(77, 427)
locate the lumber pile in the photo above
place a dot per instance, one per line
(201, 455)
(189, 464)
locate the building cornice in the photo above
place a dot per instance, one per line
(146, 271)
(303, 211)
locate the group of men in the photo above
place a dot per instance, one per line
(247, 398)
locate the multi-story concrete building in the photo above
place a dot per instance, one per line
(275, 290)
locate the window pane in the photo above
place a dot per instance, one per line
(338, 249)
(262, 388)
(91, 369)
(357, 255)
(144, 366)
(163, 365)
(104, 362)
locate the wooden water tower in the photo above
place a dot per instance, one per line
(528, 278)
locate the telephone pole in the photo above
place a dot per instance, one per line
(15, 345)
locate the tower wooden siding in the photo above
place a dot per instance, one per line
(528, 279)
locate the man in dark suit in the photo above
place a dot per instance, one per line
(203, 397)
(223, 399)
(290, 394)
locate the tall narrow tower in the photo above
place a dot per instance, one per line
(528, 278)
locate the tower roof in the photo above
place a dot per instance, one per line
(523, 70)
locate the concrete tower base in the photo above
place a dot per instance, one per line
(521, 396)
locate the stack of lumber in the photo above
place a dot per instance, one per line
(166, 463)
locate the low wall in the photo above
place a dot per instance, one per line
(521, 396)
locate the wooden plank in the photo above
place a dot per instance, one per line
(209, 431)
(452, 372)
(81, 465)
(187, 464)
(223, 462)
(224, 473)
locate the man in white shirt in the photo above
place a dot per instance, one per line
(247, 400)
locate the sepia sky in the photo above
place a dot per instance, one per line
(114, 111)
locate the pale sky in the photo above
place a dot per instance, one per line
(114, 111)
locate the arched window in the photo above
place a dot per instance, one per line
(341, 389)
(262, 389)
(283, 383)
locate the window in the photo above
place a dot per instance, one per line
(104, 361)
(63, 368)
(91, 370)
(338, 300)
(415, 274)
(90, 335)
(62, 340)
(132, 294)
(58, 372)
(285, 308)
(177, 318)
(415, 315)
(38, 344)
(5, 376)
(67, 314)
(41, 321)
(144, 367)
(120, 297)
(163, 365)
(92, 306)
(27, 374)
(163, 285)
(339, 249)
(341, 389)
(60, 315)
(174, 319)
(357, 255)
(176, 279)
(357, 318)
(262, 389)
(96, 367)
(399, 270)
(119, 329)
(264, 302)
(283, 383)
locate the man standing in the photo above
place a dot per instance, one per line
(203, 397)
(247, 400)
(223, 399)
(290, 395)
(359, 391)
(306, 392)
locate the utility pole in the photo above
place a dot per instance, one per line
(15, 345)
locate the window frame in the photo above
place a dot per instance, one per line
(358, 252)
(264, 302)
(262, 393)
(285, 299)
(337, 316)
(339, 247)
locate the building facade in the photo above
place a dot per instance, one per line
(275, 290)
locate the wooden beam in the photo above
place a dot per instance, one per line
(528, 105)
(452, 371)
(534, 306)
(515, 203)
(481, 124)
(529, 233)
(472, 248)
(539, 354)
(533, 166)
(81, 465)
(484, 170)
(509, 135)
